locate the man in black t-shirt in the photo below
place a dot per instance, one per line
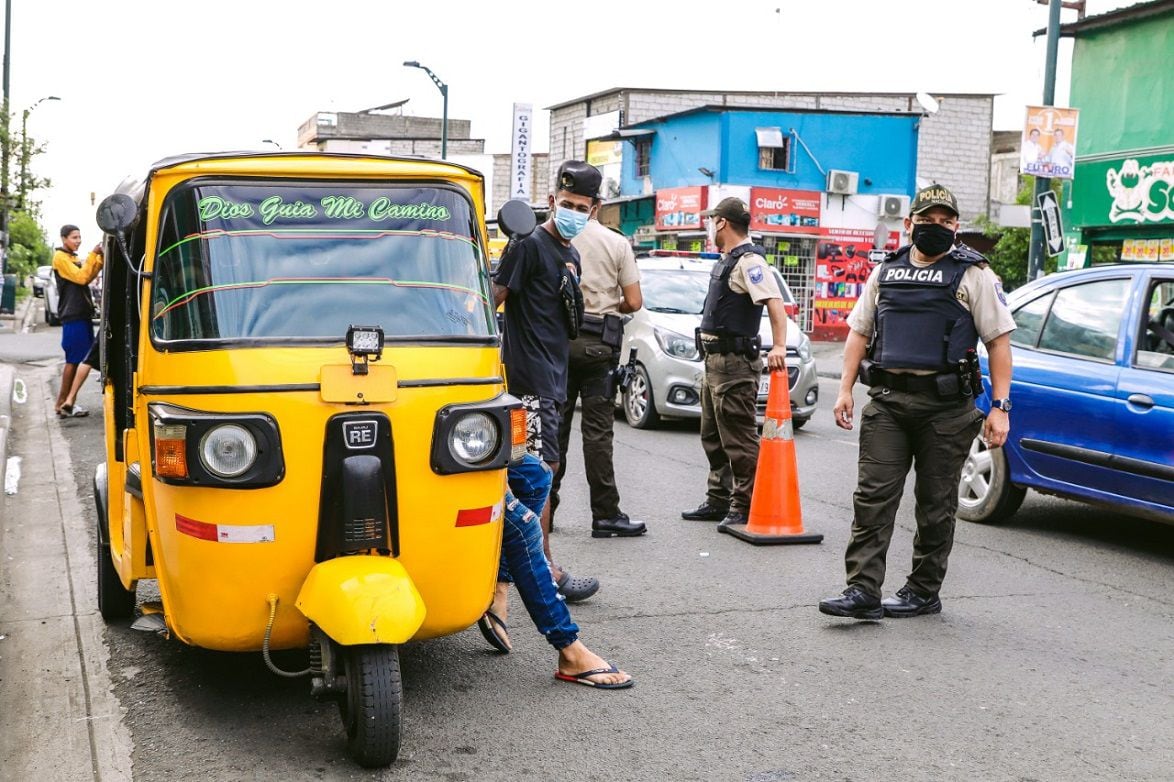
(531, 280)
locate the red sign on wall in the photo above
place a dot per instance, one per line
(842, 265)
(679, 208)
(777, 210)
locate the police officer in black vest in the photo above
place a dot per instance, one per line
(913, 333)
(739, 287)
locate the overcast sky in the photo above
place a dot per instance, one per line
(142, 79)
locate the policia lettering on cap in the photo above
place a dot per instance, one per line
(912, 340)
(740, 286)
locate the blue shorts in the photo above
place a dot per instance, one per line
(77, 337)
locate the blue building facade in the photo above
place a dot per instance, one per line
(824, 188)
(882, 148)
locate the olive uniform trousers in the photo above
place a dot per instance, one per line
(589, 376)
(729, 428)
(899, 429)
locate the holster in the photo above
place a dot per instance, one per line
(613, 331)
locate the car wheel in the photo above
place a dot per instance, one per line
(798, 423)
(51, 318)
(639, 406)
(985, 492)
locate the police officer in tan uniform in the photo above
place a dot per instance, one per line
(740, 286)
(913, 331)
(611, 287)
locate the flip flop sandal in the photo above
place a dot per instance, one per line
(486, 624)
(576, 589)
(581, 678)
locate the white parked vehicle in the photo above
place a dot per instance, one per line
(45, 285)
(667, 380)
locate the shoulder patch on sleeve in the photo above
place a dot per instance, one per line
(999, 292)
(756, 274)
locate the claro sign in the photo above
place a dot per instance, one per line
(779, 210)
(679, 208)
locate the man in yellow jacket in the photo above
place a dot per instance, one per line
(76, 309)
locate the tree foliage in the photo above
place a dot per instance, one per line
(27, 246)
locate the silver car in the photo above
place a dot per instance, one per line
(667, 378)
(44, 284)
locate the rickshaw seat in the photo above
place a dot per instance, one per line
(134, 479)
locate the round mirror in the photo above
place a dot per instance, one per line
(117, 214)
(516, 219)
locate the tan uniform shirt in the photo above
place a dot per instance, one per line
(608, 265)
(980, 293)
(751, 275)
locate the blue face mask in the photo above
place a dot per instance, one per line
(569, 222)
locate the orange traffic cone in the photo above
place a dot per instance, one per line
(775, 515)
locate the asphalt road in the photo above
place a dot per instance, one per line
(1051, 660)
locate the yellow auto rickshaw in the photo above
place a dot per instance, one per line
(307, 427)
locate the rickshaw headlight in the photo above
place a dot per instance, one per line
(474, 438)
(228, 450)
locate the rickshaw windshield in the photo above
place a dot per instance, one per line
(248, 262)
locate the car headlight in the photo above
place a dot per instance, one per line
(228, 451)
(474, 438)
(804, 348)
(676, 345)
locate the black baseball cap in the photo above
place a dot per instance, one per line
(579, 178)
(732, 209)
(934, 195)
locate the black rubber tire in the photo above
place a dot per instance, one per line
(986, 494)
(799, 423)
(646, 417)
(115, 602)
(372, 707)
(51, 320)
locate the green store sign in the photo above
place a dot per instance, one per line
(1128, 191)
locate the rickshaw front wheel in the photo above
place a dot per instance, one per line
(115, 602)
(371, 708)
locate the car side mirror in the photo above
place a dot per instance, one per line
(516, 219)
(117, 214)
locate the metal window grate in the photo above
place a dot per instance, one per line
(794, 256)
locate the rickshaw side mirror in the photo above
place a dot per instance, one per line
(117, 214)
(516, 219)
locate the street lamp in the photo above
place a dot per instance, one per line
(271, 141)
(25, 152)
(444, 93)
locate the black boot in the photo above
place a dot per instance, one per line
(619, 526)
(855, 603)
(706, 511)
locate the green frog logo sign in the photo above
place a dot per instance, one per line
(1141, 193)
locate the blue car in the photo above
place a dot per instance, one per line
(1092, 397)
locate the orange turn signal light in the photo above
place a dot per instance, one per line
(171, 459)
(517, 434)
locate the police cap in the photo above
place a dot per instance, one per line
(579, 178)
(732, 209)
(934, 195)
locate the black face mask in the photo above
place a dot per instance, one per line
(932, 239)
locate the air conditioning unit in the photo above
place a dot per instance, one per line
(842, 182)
(892, 207)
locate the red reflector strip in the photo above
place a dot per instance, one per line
(474, 516)
(197, 529)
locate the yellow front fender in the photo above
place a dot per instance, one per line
(362, 600)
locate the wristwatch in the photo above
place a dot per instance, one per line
(1002, 404)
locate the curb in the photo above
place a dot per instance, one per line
(7, 379)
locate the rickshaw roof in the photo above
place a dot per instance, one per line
(136, 188)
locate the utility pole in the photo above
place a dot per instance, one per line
(7, 141)
(1035, 258)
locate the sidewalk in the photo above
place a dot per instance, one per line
(829, 358)
(59, 719)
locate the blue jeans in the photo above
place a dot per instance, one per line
(522, 559)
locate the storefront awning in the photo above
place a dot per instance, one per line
(628, 134)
